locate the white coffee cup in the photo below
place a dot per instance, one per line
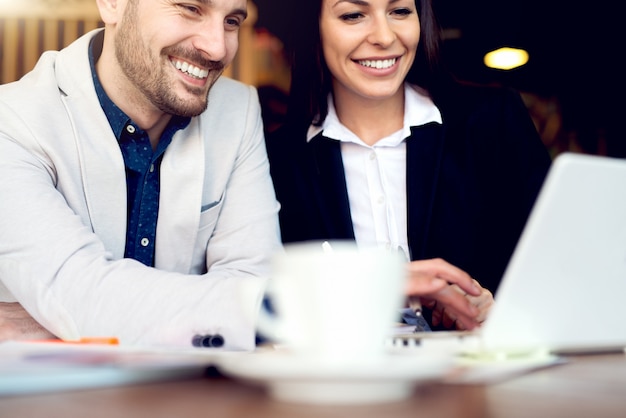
(334, 300)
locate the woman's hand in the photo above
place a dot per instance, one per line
(449, 317)
(455, 298)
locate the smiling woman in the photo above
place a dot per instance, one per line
(382, 146)
(369, 51)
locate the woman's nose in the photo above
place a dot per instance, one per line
(382, 33)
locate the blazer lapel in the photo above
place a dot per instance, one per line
(329, 187)
(103, 174)
(424, 153)
(182, 179)
(101, 161)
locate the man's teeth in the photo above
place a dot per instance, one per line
(378, 64)
(192, 70)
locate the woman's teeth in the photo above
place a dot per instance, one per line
(378, 64)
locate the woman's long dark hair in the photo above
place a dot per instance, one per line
(311, 79)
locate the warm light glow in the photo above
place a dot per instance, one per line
(49, 9)
(506, 58)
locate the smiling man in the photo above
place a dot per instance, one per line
(136, 197)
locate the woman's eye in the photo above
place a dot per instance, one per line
(403, 12)
(350, 17)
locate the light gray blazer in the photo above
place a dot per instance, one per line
(63, 214)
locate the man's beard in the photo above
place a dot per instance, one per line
(150, 78)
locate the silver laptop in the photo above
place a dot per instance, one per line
(564, 289)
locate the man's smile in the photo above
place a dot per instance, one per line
(190, 69)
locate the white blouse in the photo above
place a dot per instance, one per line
(376, 175)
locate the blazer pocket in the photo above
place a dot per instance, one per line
(209, 214)
(208, 220)
(211, 205)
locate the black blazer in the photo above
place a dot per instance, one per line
(471, 182)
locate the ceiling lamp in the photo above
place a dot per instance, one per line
(506, 58)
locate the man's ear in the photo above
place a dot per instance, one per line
(110, 10)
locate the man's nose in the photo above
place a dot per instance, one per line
(211, 40)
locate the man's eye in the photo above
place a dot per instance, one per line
(233, 22)
(190, 8)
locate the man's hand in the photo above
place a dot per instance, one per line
(456, 299)
(17, 324)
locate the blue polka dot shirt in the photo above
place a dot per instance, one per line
(143, 166)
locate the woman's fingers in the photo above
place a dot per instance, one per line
(456, 300)
(430, 273)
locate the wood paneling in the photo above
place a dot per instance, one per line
(23, 40)
(30, 27)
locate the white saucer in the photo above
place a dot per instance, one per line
(293, 378)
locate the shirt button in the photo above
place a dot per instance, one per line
(130, 129)
(372, 156)
(145, 242)
(381, 199)
(151, 168)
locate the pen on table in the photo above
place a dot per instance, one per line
(416, 305)
(414, 301)
(84, 340)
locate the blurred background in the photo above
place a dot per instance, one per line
(573, 83)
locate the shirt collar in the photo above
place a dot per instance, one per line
(419, 110)
(116, 117)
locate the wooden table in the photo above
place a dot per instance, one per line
(591, 386)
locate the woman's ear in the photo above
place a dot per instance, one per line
(110, 10)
